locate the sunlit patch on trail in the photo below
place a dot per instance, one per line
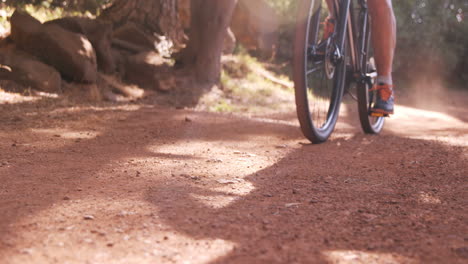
(225, 195)
(293, 122)
(428, 198)
(67, 134)
(214, 201)
(428, 125)
(214, 157)
(77, 109)
(84, 231)
(238, 187)
(354, 256)
(15, 98)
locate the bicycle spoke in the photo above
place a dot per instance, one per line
(317, 85)
(316, 68)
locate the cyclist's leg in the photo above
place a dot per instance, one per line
(383, 35)
(384, 41)
(330, 7)
(330, 20)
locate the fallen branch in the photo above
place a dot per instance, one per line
(130, 91)
(267, 75)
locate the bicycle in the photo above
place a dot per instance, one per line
(325, 67)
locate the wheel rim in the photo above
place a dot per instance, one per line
(375, 124)
(319, 76)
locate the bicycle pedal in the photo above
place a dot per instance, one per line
(374, 114)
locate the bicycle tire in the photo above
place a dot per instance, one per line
(317, 100)
(370, 124)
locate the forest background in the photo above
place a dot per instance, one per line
(432, 35)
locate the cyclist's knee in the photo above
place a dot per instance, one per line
(381, 5)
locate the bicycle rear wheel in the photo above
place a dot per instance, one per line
(319, 72)
(366, 99)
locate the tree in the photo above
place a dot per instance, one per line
(152, 16)
(209, 22)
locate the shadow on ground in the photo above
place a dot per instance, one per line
(353, 198)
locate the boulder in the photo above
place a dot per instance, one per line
(131, 37)
(256, 30)
(28, 71)
(99, 34)
(70, 53)
(146, 70)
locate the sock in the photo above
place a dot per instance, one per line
(384, 80)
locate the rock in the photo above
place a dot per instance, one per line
(288, 205)
(86, 92)
(228, 181)
(166, 83)
(70, 53)
(145, 70)
(99, 34)
(134, 36)
(28, 71)
(256, 30)
(88, 217)
(462, 252)
(215, 161)
(27, 251)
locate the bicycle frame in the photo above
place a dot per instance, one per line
(357, 38)
(325, 67)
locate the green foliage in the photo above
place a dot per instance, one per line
(430, 32)
(39, 12)
(45, 10)
(243, 88)
(433, 33)
(286, 8)
(92, 6)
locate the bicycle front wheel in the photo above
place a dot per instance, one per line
(319, 72)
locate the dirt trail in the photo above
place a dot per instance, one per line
(142, 184)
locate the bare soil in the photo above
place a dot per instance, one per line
(138, 183)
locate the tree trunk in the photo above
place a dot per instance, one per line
(209, 22)
(152, 16)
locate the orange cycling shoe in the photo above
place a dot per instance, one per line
(385, 100)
